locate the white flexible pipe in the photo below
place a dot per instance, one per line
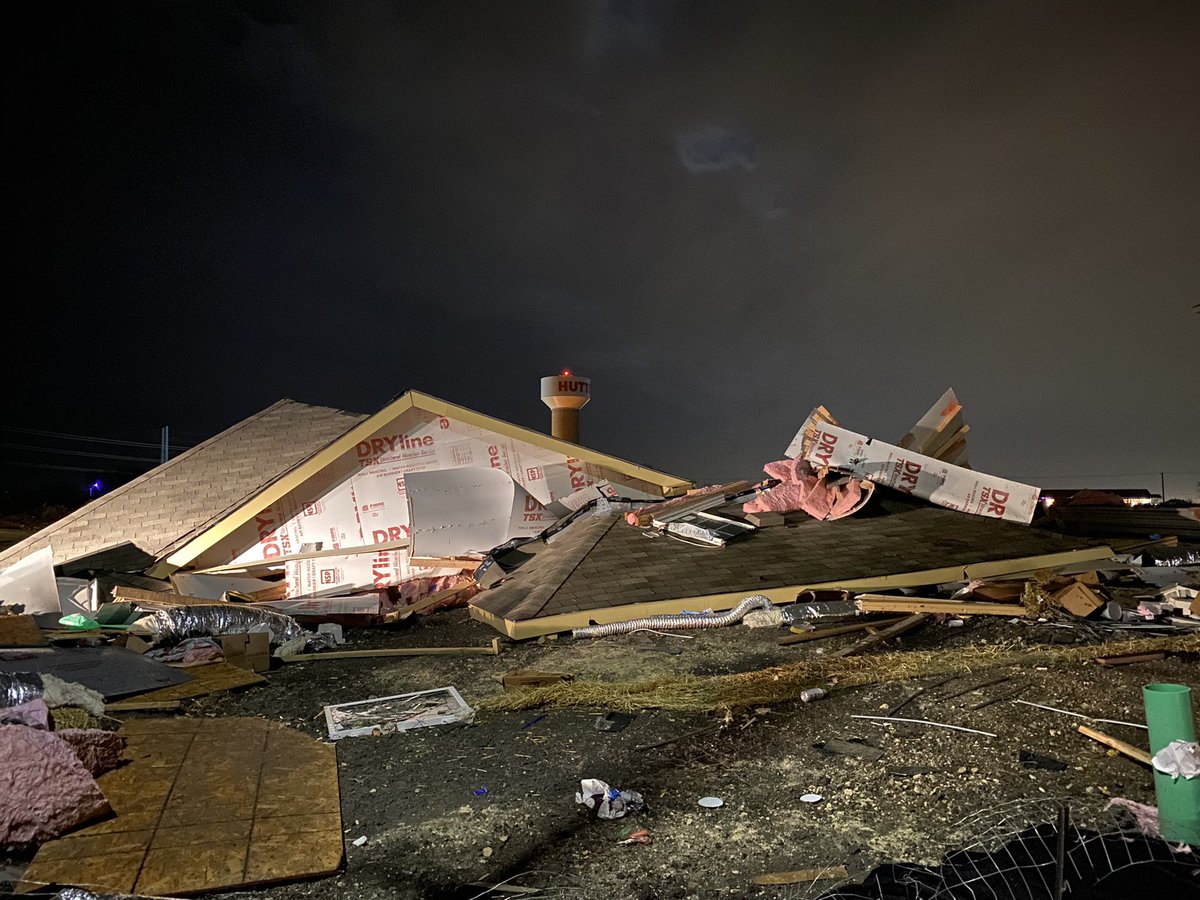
(677, 620)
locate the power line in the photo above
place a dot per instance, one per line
(97, 440)
(92, 470)
(1109, 474)
(87, 453)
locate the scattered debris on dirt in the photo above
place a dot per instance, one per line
(661, 653)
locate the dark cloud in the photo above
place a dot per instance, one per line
(722, 213)
(717, 148)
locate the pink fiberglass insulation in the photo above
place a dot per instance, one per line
(409, 592)
(803, 488)
(98, 750)
(35, 714)
(44, 788)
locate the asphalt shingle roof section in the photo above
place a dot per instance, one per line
(545, 573)
(161, 509)
(625, 567)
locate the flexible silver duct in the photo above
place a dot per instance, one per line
(677, 620)
(17, 688)
(179, 623)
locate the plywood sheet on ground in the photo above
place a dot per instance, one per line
(206, 679)
(205, 804)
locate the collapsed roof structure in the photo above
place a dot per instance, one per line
(426, 503)
(600, 570)
(320, 496)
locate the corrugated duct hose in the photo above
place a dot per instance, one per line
(677, 620)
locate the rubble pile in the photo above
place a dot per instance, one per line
(854, 563)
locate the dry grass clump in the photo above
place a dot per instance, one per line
(782, 683)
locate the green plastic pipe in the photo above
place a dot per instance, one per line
(1169, 718)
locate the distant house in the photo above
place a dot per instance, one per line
(1100, 496)
(319, 495)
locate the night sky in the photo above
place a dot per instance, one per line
(723, 213)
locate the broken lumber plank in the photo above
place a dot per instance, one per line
(764, 519)
(679, 737)
(209, 678)
(492, 649)
(140, 597)
(884, 603)
(694, 500)
(470, 563)
(905, 624)
(974, 687)
(800, 876)
(1129, 659)
(134, 705)
(530, 678)
(1116, 744)
(819, 633)
(428, 601)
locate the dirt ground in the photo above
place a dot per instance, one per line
(429, 834)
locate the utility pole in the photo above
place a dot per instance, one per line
(165, 451)
(1162, 486)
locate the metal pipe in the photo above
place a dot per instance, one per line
(677, 620)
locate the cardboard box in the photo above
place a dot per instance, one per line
(1078, 599)
(248, 651)
(1001, 591)
(764, 519)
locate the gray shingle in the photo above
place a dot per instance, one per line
(157, 512)
(619, 566)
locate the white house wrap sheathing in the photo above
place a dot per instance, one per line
(360, 500)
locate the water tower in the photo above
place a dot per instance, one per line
(565, 394)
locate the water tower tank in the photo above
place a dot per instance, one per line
(565, 394)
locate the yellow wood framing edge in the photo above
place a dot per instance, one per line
(530, 628)
(668, 485)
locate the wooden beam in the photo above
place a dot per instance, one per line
(1129, 659)
(1120, 746)
(141, 597)
(493, 649)
(133, 705)
(801, 876)
(905, 624)
(883, 603)
(818, 633)
(428, 601)
(688, 501)
(654, 482)
(275, 561)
